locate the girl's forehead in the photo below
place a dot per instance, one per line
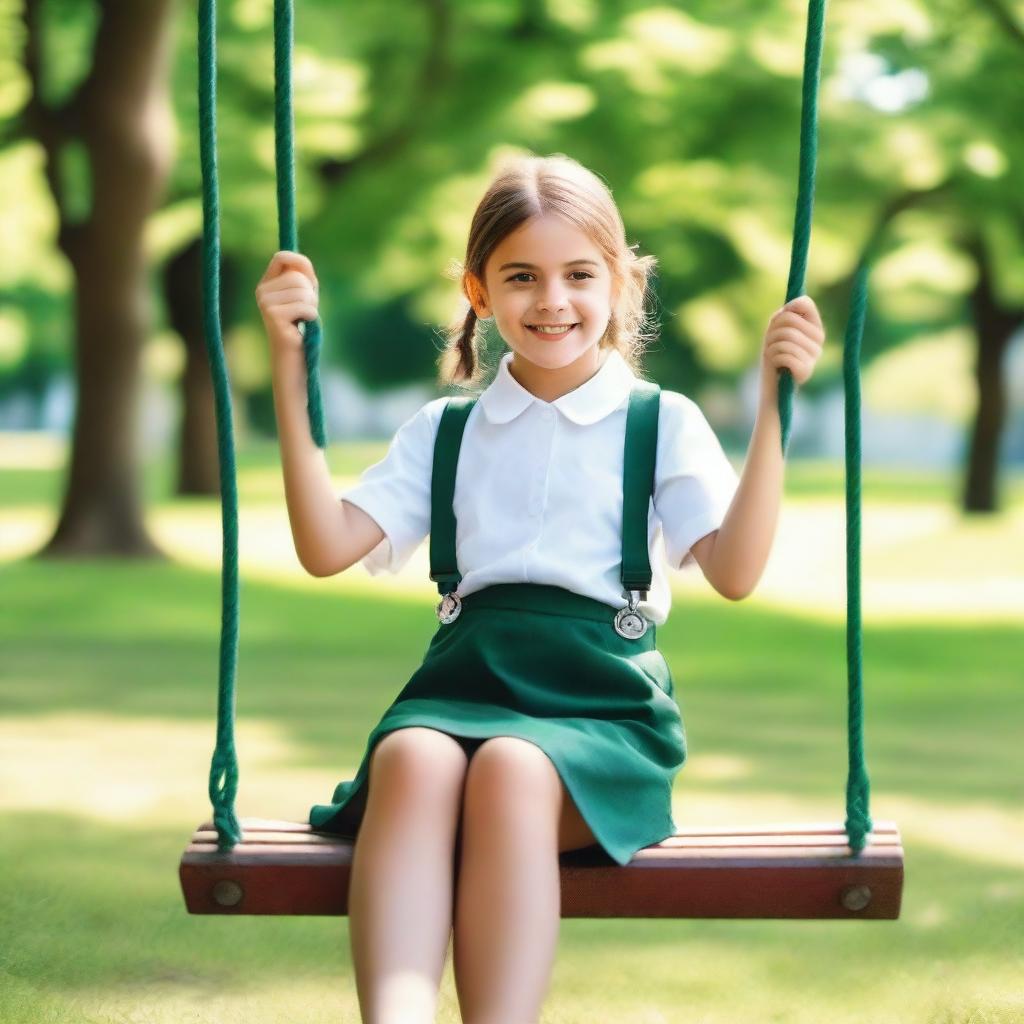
(546, 243)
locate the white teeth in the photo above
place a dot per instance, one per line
(552, 330)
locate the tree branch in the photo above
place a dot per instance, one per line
(897, 204)
(433, 71)
(14, 131)
(986, 303)
(1006, 20)
(890, 210)
(40, 122)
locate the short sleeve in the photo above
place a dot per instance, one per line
(395, 491)
(694, 480)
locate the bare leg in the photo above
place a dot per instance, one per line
(401, 882)
(517, 815)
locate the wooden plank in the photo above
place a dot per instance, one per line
(824, 844)
(666, 892)
(754, 829)
(286, 868)
(255, 852)
(296, 857)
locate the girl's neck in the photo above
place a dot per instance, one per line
(547, 385)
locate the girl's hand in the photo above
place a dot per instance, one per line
(793, 340)
(287, 293)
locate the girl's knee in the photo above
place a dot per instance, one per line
(507, 769)
(418, 758)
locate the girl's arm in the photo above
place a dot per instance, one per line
(329, 535)
(733, 557)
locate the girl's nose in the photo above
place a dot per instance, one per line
(552, 297)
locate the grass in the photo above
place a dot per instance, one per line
(31, 478)
(108, 694)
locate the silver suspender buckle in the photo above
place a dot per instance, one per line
(628, 621)
(448, 607)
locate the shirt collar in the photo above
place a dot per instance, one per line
(505, 398)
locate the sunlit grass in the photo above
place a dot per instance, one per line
(922, 558)
(31, 468)
(108, 691)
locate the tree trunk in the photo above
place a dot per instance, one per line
(995, 326)
(124, 118)
(198, 469)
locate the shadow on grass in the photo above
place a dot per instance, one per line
(132, 639)
(98, 907)
(95, 904)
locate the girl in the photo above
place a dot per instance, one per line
(543, 716)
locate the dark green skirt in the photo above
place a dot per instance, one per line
(546, 665)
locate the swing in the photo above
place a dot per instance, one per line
(824, 870)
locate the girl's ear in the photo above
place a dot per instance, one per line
(476, 294)
(616, 290)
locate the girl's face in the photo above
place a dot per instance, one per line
(548, 273)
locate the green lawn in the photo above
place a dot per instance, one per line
(108, 676)
(804, 478)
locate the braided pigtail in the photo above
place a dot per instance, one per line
(459, 363)
(467, 367)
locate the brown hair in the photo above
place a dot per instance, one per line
(530, 186)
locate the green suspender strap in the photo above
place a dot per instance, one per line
(641, 450)
(444, 569)
(638, 463)
(639, 456)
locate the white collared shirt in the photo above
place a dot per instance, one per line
(538, 492)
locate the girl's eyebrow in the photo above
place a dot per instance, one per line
(532, 266)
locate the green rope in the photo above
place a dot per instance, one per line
(858, 817)
(224, 767)
(223, 785)
(287, 232)
(805, 189)
(858, 820)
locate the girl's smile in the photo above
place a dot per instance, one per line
(554, 333)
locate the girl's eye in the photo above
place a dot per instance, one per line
(524, 273)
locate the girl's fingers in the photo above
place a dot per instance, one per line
(803, 305)
(797, 364)
(790, 318)
(300, 294)
(795, 338)
(789, 334)
(788, 357)
(293, 278)
(293, 311)
(291, 284)
(787, 348)
(286, 260)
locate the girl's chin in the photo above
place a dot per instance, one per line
(555, 355)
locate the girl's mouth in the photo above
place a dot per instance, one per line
(550, 335)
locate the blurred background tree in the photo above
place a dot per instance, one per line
(690, 114)
(96, 111)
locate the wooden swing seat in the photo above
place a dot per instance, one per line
(769, 871)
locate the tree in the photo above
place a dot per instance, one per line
(690, 114)
(115, 120)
